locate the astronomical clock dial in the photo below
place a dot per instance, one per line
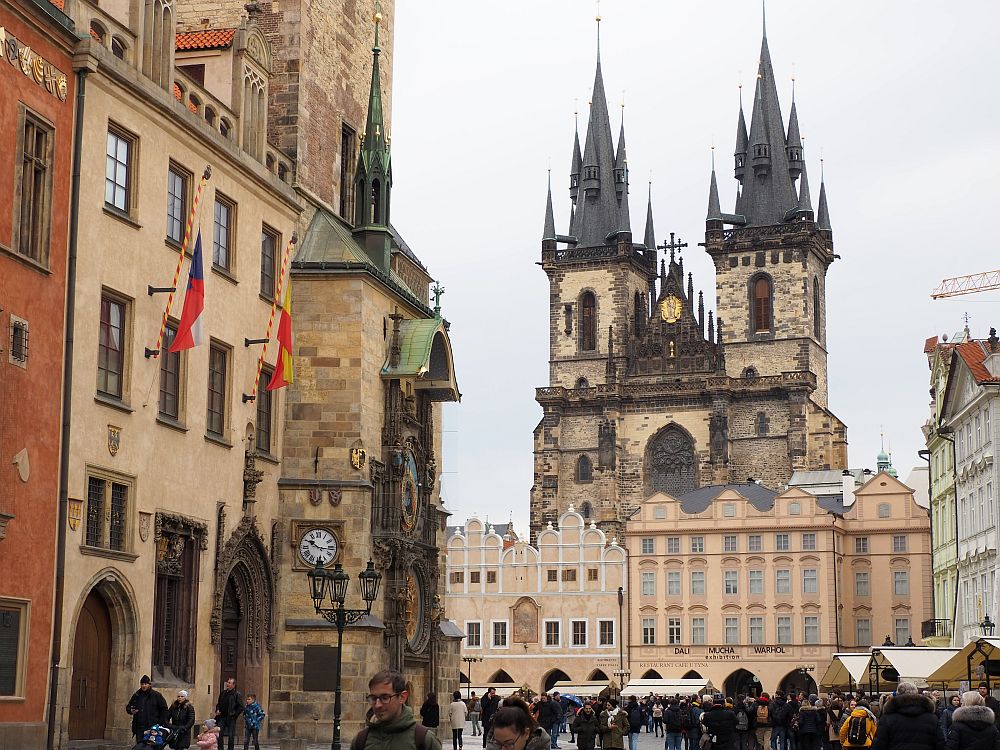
(670, 309)
(409, 496)
(413, 614)
(318, 546)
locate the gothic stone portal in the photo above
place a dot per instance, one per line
(671, 465)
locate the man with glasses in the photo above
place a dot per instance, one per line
(391, 724)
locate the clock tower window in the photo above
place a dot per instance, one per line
(762, 304)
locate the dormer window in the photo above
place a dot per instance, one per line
(739, 160)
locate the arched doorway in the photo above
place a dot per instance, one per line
(741, 682)
(798, 681)
(556, 675)
(651, 674)
(597, 674)
(500, 676)
(91, 670)
(692, 674)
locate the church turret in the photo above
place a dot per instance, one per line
(577, 167)
(804, 212)
(793, 145)
(713, 220)
(621, 163)
(549, 231)
(823, 214)
(373, 178)
(742, 141)
(649, 238)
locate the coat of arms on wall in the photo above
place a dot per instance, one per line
(144, 519)
(359, 456)
(114, 439)
(75, 513)
(315, 495)
(336, 494)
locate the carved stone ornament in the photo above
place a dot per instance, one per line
(252, 476)
(336, 495)
(315, 495)
(145, 520)
(114, 439)
(359, 456)
(382, 553)
(245, 558)
(172, 534)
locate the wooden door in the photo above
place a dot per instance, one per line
(88, 711)
(230, 634)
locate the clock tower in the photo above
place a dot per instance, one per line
(649, 394)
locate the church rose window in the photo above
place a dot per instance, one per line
(670, 463)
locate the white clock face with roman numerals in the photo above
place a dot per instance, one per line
(318, 546)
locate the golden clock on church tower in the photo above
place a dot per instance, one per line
(670, 309)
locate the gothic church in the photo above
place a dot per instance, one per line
(649, 394)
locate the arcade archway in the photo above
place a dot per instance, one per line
(556, 675)
(597, 674)
(692, 674)
(501, 676)
(651, 674)
(741, 682)
(798, 681)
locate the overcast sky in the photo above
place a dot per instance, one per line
(900, 98)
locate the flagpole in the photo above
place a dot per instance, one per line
(180, 262)
(270, 321)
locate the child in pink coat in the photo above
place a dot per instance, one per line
(209, 738)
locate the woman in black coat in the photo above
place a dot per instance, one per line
(972, 726)
(908, 722)
(430, 713)
(180, 716)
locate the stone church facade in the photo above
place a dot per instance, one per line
(647, 393)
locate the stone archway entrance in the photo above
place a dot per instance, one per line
(741, 682)
(91, 670)
(242, 620)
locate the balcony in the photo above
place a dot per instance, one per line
(938, 629)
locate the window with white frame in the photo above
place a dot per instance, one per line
(756, 582)
(861, 545)
(500, 634)
(809, 541)
(884, 510)
(118, 172)
(673, 545)
(754, 543)
(810, 581)
(902, 630)
(784, 629)
(552, 633)
(647, 545)
(731, 582)
(863, 631)
(673, 583)
(648, 583)
(697, 544)
(698, 630)
(729, 510)
(473, 634)
(697, 582)
(783, 581)
(673, 630)
(810, 629)
(781, 542)
(648, 631)
(862, 583)
(900, 583)
(756, 630)
(606, 632)
(794, 509)
(729, 543)
(899, 543)
(732, 630)
(579, 631)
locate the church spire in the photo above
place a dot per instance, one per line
(649, 239)
(577, 168)
(714, 207)
(805, 209)
(373, 178)
(793, 146)
(549, 232)
(823, 214)
(742, 143)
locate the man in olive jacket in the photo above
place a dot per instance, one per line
(391, 724)
(614, 727)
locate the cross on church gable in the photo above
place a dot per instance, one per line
(677, 245)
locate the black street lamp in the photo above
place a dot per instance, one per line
(322, 583)
(622, 674)
(470, 660)
(987, 626)
(888, 642)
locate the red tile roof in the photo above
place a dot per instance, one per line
(205, 39)
(60, 4)
(974, 354)
(930, 344)
(177, 92)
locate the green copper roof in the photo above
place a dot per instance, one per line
(425, 356)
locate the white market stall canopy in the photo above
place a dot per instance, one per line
(956, 669)
(589, 688)
(916, 664)
(665, 687)
(504, 689)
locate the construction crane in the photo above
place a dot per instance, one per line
(970, 284)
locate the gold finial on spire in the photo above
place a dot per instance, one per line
(598, 17)
(377, 18)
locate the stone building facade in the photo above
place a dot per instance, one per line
(37, 94)
(741, 585)
(361, 453)
(537, 614)
(172, 473)
(646, 392)
(970, 393)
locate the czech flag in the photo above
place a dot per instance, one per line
(189, 333)
(284, 370)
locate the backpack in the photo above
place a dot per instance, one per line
(686, 722)
(857, 731)
(742, 721)
(763, 715)
(419, 735)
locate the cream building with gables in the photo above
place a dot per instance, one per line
(744, 586)
(538, 614)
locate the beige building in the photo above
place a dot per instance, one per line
(537, 614)
(756, 590)
(169, 546)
